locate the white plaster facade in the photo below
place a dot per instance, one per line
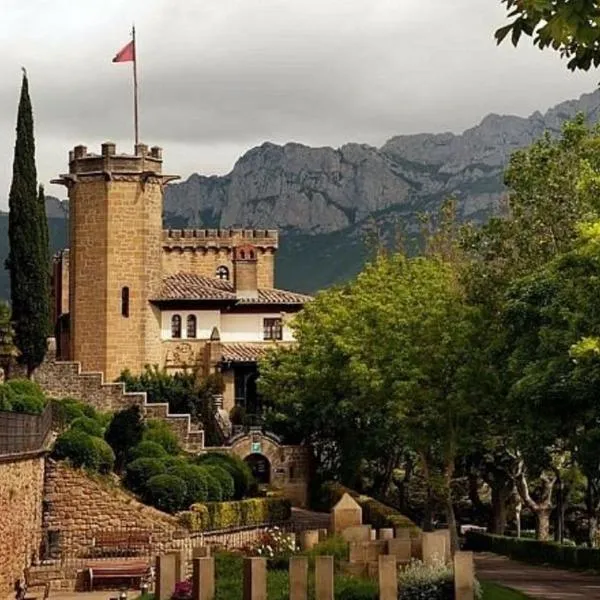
(241, 327)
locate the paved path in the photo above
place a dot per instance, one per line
(544, 583)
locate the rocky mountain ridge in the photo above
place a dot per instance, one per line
(321, 190)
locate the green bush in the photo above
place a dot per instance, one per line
(225, 480)
(106, 456)
(534, 551)
(235, 466)
(335, 546)
(79, 448)
(159, 432)
(138, 472)
(147, 449)
(195, 481)
(5, 398)
(124, 431)
(165, 492)
(22, 396)
(375, 513)
(419, 581)
(214, 493)
(241, 513)
(88, 425)
(66, 410)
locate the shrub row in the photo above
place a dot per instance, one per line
(375, 513)
(242, 513)
(534, 551)
(22, 396)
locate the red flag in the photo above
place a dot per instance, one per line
(127, 54)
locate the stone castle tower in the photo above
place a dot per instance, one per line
(115, 214)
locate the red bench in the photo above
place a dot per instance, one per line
(117, 570)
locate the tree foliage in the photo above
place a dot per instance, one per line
(570, 27)
(28, 260)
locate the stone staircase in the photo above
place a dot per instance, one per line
(61, 379)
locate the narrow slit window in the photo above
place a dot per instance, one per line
(176, 326)
(191, 326)
(125, 302)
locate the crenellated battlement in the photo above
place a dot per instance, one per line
(222, 238)
(144, 160)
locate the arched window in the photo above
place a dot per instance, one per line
(175, 326)
(125, 302)
(191, 326)
(223, 273)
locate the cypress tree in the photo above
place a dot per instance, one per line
(28, 262)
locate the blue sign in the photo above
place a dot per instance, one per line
(255, 446)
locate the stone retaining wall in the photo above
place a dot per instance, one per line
(21, 489)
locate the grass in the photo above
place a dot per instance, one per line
(492, 591)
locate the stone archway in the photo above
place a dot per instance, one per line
(260, 466)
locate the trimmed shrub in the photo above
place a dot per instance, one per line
(535, 551)
(78, 448)
(335, 546)
(165, 492)
(106, 456)
(241, 513)
(23, 396)
(214, 493)
(139, 471)
(147, 449)
(235, 466)
(124, 431)
(89, 425)
(375, 513)
(195, 481)
(225, 481)
(66, 410)
(159, 432)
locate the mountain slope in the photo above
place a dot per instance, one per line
(325, 200)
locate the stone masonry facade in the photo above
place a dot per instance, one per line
(21, 492)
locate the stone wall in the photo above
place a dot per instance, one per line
(21, 489)
(61, 379)
(78, 506)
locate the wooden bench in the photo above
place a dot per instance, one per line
(121, 543)
(117, 570)
(31, 589)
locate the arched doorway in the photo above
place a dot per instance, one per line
(260, 467)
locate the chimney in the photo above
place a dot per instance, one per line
(245, 271)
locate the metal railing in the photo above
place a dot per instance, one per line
(22, 433)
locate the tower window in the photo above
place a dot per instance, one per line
(175, 326)
(223, 273)
(191, 326)
(272, 329)
(125, 302)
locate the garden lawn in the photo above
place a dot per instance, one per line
(492, 591)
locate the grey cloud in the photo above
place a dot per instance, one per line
(219, 76)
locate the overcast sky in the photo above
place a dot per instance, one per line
(220, 76)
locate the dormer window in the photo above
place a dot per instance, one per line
(176, 326)
(223, 273)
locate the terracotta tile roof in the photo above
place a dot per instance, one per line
(189, 286)
(245, 352)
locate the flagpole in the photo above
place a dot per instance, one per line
(135, 89)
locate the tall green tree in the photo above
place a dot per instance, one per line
(386, 362)
(570, 27)
(28, 259)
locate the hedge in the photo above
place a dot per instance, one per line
(535, 551)
(235, 466)
(375, 513)
(241, 513)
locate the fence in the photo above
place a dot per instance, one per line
(21, 433)
(80, 547)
